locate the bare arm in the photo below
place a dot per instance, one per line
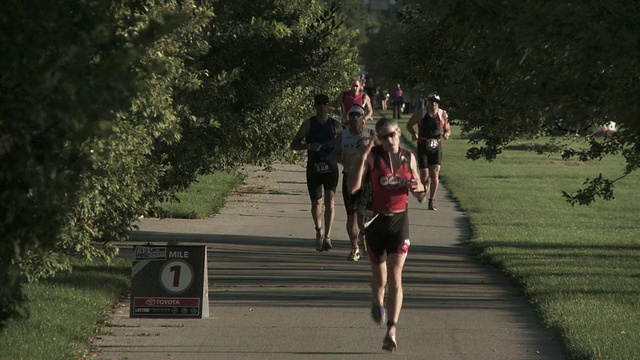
(298, 140)
(414, 120)
(374, 137)
(418, 189)
(447, 128)
(367, 103)
(337, 148)
(359, 168)
(338, 104)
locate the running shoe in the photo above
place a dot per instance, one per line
(354, 255)
(326, 245)
(389, 343)
(431, 205)
(378, 314)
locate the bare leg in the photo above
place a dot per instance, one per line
(360, 218)
(424, 176)
(316, 214)
(395, 298)
(378, 282)
(352, 229)
(329, 214)
(435, 180)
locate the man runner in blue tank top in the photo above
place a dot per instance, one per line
(317, 135)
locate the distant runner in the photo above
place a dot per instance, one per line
(317, 135)
(433, 124)
(354, 96)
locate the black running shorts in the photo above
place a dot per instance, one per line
(387, 234)
(317, 181)
(427, 158)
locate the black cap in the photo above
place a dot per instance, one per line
(434, 97)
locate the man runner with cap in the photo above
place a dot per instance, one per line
(433, 125)
(346, 150)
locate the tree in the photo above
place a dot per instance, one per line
(107, 108)
(516, 69)
(58, 62)
(265, 62)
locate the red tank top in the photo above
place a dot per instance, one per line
(390, 190)
(348, 99)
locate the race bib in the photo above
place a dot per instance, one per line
(322, 168)
(431, 144)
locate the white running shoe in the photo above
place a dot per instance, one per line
(354, 255)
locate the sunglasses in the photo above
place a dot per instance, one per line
(355, 114)
(388, 136)
(322, 103)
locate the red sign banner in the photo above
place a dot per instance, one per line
(165, 301)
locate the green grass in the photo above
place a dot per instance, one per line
(579, 265)
(65, 312)
(203, 199)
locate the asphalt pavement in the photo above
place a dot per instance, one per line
(272, 296)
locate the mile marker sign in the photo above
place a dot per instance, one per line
(169, 282)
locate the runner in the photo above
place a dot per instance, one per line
(393, 174)
(346, 147)
(317, 135)
(433, 124)
(353, 96)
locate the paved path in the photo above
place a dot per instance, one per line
(272, 296)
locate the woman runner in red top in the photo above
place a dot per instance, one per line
(355, 95)
(393, 174)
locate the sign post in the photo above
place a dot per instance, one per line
(169, 282)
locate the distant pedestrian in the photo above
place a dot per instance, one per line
(384, 99)
(397, 100)
(317, 135)
(393, 173)
(433, 125)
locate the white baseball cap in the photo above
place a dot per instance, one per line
(356, 109)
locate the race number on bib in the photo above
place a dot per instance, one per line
(322, 168)
(431, 144)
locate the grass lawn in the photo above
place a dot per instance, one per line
(580, 266)
(67, 310)
(203, 199)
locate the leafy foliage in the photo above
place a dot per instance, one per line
(521, 68)
(129, 102)
(53, 99)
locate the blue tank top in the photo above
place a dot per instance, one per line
(323, 134)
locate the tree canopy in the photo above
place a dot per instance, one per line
(519, 69)
(107, 108)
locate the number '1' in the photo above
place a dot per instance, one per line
(176, 274)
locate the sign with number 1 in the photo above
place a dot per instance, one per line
(170, 281)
